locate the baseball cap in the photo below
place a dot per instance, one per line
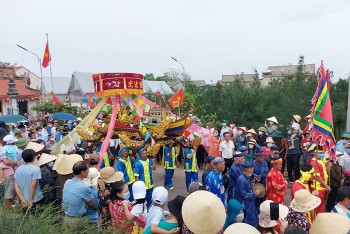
(139, 190)
(160, 195)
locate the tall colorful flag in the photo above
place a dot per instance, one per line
(177, 100)
(321, 113)
(55, 100)
(90, 101)
(47, 56)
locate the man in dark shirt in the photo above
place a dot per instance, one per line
(274, 153)
(210, 165)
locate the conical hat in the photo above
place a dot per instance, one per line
(46, 158)
(272, 119)
(326, 223)
(64, 163)
(251, 131)
(35, 146)
(243, 128)
(307, 117)
(240, 228)
(203, 212)
(297, 118)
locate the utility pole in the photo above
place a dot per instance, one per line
(348, 112)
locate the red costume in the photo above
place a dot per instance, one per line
(275, 177)
(297, 185)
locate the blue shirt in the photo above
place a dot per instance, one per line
(126, 167)
(58, 136)
(244, 190)
(10, 151)
(91, 211)
(75, 194)
(235, 172)
(260, 171)
(24, 176)
(215, 184)
(143, 170)
(169, 161)
(205, 175)
(190, 164)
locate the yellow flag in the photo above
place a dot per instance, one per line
(140, 102)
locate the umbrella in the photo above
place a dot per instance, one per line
(13, 118)
(63, 116)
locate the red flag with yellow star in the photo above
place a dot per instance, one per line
(47, 56)
(177, 100)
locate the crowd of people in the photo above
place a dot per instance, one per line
(242, 189)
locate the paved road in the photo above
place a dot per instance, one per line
(180, 184)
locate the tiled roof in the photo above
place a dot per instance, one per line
(23, 92)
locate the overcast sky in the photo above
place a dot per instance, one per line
(210, 38)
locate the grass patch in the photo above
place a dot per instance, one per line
(48, 220)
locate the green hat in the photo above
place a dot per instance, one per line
(346, 135)
(21, 142)
(17, 131)
(60, 128)
(278, 134)
(225, 121)
(262, 129)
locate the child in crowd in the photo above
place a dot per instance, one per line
(10, 150)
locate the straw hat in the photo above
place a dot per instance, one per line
(304, 201)
(109, 175)
(272, 119)
(252, 131)
(269, 140)
(297, 118)
(91, 179)
(264, 216)
(203, 212)
(46, 158)
(326, 223)
(243, 128)
(35, 146)
(239, 228)
(307, 117)
(261, 187)
(64, 163)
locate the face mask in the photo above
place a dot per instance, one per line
(39, 133)
(223, 124)
(251, 146)
(126, 195)
(260, 133)
(269, 144)
(348, 151)
(216, 134)
(190, 115)
(50, 164)
(52, 139)
(272, 123)
(239, 218)
(288, 132)
(309, 120)
(89, 144)
(231, 125)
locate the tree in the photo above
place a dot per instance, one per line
(50, 107)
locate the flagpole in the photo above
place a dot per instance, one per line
(50, 61)
(348, 112)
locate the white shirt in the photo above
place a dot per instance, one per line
(341, 210)
(223, 130)
(139, 210)
(344, 161)
(227, 149)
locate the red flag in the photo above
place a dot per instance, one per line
(6, 100)
(109, 101)
(187, 133)
(177, 100)
(91, 103)
(47, 56)
(55, 100)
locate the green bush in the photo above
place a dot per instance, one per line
(48, 220)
